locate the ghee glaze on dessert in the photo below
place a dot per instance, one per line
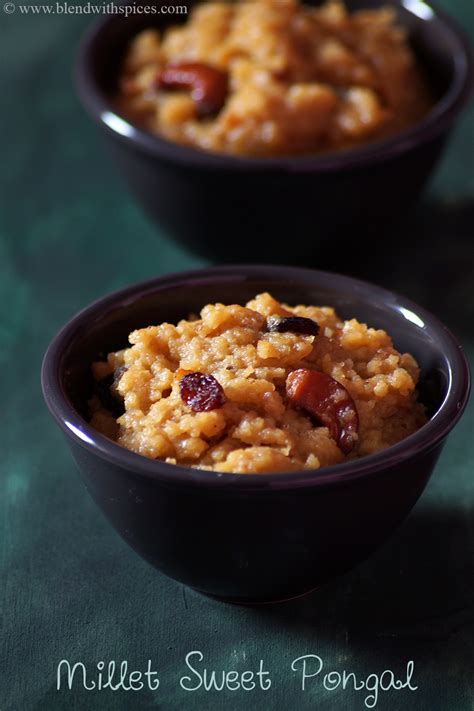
(274, 77)
(259, 388)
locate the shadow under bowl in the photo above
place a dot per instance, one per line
(251, 538)
(248, 209)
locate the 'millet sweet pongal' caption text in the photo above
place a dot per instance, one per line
(306, 671)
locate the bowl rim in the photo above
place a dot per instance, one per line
(434, 123)
(423, 440)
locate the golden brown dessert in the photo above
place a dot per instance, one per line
(274, 77)
(260, 388)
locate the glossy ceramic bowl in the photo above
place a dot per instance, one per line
(246, 209)
(253, 537)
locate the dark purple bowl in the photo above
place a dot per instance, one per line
(253, 537)
(279, 208)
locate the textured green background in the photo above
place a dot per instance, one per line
(69, 587)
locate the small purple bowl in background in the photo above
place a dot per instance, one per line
(253, 537)
(279, 209)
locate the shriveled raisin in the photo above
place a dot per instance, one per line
(110, 399)
(118, 372)
(201, 392)
(294, 324)
(328, 402)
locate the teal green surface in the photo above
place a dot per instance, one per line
(69, 587)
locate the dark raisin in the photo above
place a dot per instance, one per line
(328, 402)
(110, 399)
(201, 392)
(295, 324)
(118, 372)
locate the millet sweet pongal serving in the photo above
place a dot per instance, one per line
(258, 388)
(274, 77)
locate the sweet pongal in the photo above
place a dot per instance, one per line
(274, 77)
(258, 388)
